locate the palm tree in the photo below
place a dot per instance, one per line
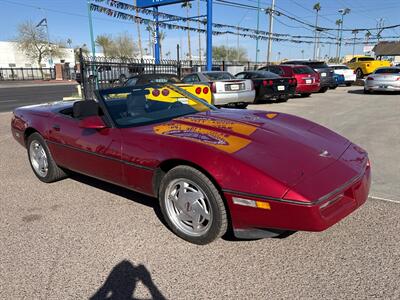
(188, 6)
(105, 42)
(161, 38)
(149, 28)
(367, 36)
(69, 42)
(139, 33)
(317, 8)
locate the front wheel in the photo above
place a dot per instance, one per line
(323, 89)
(192, 205)
(304, 95)
(42, 163)
(359, 74)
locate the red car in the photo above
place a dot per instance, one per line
(260, 173)
(308, 81)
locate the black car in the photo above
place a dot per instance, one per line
(143, 79)
(270, 86)
(325, 72)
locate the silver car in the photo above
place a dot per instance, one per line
(226, 89)
(386, 79)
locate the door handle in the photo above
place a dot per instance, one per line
(56, 127)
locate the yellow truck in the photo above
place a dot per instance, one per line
(364, 65)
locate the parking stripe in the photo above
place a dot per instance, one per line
(385, 199)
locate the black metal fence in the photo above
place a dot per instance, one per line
(35, 74)
(101, 72)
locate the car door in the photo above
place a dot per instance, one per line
(94, 152)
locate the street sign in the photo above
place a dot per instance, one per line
(153, 3)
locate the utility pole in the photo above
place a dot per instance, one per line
(270, 11)
(379, 26)
(338, 23)
(343, 12)
(317, 8)
(258, 28)
(354, 42)
(198, 26)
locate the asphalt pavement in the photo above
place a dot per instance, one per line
(13, 95)
(81, 238)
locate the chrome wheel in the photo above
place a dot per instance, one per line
(188, 207)
(38, 158)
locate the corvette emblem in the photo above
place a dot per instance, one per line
(325, 153)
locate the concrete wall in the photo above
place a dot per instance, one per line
(9, 54)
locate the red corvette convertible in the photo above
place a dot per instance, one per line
(259, 173)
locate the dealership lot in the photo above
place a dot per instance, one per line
(81, 238)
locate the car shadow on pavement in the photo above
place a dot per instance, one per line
(122, 192)
(122, 281)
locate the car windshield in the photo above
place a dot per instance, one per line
(303, 70)
(340, 67)
(365, 59)
(150, 104)
(388, 71)
(219, 75)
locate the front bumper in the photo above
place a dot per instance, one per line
(294, 215)
(234, 97)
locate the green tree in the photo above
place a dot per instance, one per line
(32, 41)
(105, 42)
(188, 6)
(85, 51)
(123, 46)
(149, 28)
(229, 53)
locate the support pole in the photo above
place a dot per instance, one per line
(157, 37)
(93, 46)
(271, 25)
(258, 28)
(209, 35)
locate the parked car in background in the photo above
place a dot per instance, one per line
(325, 73)
(307, 79)
(364, 65)
(142, 79)
(383, 80)
(226, 89)
(199, 90)
(339, 79)
(349, 75)
(270, 86)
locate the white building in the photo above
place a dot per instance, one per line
(11, 57)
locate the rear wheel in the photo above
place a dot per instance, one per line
(323, 89)
(42, 163)
(283, 98)
(367, 91)
(359, 74)
(348, 83)
(192, 205)
(241, 105)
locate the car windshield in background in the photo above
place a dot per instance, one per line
(340, 67)
(366, 59)
(267, 74)
(150, 104)
(166, 79)
(219, 75)
(303, 70)
(317, 65)
(388, 71)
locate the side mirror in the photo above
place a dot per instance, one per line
(92, 122)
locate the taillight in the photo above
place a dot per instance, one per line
(198, 90)
(213, 87)
(271, 82)
(370, 78)
(294, 81)
(265, 83)
(206, 90)
(165, 92)
(290, 81)
(398, 78)
(156, 93)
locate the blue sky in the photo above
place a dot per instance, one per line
(68, 19)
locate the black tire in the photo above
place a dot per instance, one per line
(241, 105)
(54, 172)
(305, 95)
(283, 98)
(348, 84)
(333, 87)
(323, 89)
(359, 73)
(219, 223)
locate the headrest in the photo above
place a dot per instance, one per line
(85, 108)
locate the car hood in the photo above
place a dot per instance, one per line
(282, 146)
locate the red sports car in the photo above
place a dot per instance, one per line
(259, 173)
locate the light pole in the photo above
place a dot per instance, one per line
(354, 43)
(317, 8)
(270, 11)
(237, 42)
(258, 28)
(343, 12)
(338, 23)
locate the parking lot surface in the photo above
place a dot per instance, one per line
(81, 238)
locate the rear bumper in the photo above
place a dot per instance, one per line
(227, 98)
(382, 86)
(291, 216)
(272, 92)
(307, 88)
